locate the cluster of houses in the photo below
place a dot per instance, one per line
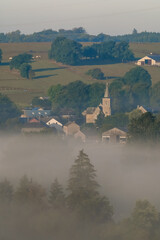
(38, 120)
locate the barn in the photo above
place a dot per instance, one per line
(149, 60)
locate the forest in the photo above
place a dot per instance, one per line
(79, 210)
(78, 34)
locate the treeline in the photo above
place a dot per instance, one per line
(77, 34)
(73, 53)
(135, 88)
(30, 211)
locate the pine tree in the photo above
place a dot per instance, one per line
(56, 197)
(6, 192)
(84, 197)
(29, 192)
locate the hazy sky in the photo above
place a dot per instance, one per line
(96, 16)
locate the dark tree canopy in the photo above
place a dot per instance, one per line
(8, 109)
(146, 128)
(65, 51)
(25, 70)
(0, 55)
(131, 90)
(18, 60)
(76, 95)
(96, 73)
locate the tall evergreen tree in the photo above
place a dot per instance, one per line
(84, 197)
(56, 197)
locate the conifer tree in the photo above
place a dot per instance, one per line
(84, 197)
(6, 192)
(56, 197)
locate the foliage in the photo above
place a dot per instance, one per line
(72, 53)
(41, 103)
(78, 34)
(26, 71)
(145, 215)
(76, 95)
(155, 95)
(84, 197)
(0, 55)
(96, 73)
(56, 197)
(18, 60)
(8, 109)
(65, 51)
(119, 120)
(146, 128)
(131, 90)
(29, 192)
(6, 192)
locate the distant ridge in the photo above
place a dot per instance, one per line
(77, 34)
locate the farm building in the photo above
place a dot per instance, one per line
(114, 135)
(150, 60)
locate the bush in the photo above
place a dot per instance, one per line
(96, 73)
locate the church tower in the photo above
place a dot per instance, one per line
(106, 103)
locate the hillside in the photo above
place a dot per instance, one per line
(49, 72)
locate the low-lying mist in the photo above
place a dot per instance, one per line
(125, 173)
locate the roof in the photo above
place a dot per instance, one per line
(69, 123)
(54, 121)
(154, 57)
(36, 112)
(115, 131)
(90, 110)
(34, 125)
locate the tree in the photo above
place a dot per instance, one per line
(146, 128)
(96, 73)
(18, 60)
(29, 192)
(6, 192)
(0, 55)
(8, 110)
(25, 70)
(56, 197)
(145, 215)
(65, 51)
(41, 103)
(84, 197)
(137, 75)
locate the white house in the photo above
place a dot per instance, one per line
(54, 123)
(149, 60)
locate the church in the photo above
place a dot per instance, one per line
(91, 113)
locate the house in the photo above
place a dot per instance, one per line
(149, 60)
(55, 124)
(114, 135)
(36, 113)
(91, 113)
(71, 128)
(80, 135)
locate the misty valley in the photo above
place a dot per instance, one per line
(61, 189)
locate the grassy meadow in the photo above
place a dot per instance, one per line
(48, 72)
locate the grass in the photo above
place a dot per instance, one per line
(48, 72)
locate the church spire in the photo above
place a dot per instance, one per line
(106, 95)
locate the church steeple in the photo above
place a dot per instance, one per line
(106, 102)
(106, 95)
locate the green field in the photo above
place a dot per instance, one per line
(48, 72)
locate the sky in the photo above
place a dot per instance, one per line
(111, 17)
